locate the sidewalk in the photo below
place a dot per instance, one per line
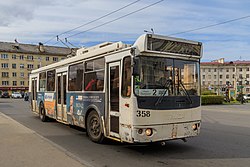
(20, 146)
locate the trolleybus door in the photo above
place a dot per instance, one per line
(113, 96)
(61, 97)
(34, 94)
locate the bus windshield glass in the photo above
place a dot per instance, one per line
(167, 77)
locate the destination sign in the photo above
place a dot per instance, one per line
(170, 46)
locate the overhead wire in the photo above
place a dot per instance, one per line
(111, 21)
(212, 25)
(99, 18)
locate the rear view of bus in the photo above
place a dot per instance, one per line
(166, 89)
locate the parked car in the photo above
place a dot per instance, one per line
(16, 95)
(5, 95)
(246, 96)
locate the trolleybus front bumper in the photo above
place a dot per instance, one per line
(154, 133)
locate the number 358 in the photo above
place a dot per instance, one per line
(143, 113)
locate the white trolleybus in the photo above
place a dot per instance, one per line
(147, 92)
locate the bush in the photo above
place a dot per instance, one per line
(211, 99)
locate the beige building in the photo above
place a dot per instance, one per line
(17, 60)
(218, 75)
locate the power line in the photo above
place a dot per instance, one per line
(108, 14)
(212, 25)
(115, 19)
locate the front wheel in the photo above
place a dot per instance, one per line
(42, 113)
(94, 128)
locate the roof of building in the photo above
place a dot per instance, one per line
(33, 49)
(238, 62)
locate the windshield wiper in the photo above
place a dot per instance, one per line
(165, 86)
(187, 94)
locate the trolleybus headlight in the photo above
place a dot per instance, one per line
(195, 126)
(149, 132)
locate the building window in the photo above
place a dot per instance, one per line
(30, 66)
(247, 76)
(22, 83)
(4, 56)
(215, 70)
(220, 82)
(214, 76)
(227, 70)
(215, 82)
(47, 58)
(203, 82)
(233, 69)
(247, 68)
(75, 77)
(21, 65)
(240, 76)
(14, 66)
(227, 76)
(5, 83)
(233, 76)
(5, 74)
(38, 66)
(21, 57)
(5, 65)
(22, 74)
(14, 83)
(247, 89)
(240, 69)
(30, 57)
(14, 74)
(220, 76)
(203, 76)
(55, 58)
(13, 56)
(209, 70)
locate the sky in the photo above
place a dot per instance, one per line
(33, 21)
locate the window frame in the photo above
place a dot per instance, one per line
(70, 86)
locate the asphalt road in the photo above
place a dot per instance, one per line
(224, 140)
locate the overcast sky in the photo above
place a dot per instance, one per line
(32, 21)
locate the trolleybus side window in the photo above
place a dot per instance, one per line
(94, 75)
(51, 80)
(75, 77)
(126, 77)
(42, 81)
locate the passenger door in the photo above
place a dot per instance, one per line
(113, 98)
(61, 114)
(34, 95)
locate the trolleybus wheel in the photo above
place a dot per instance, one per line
(94, 128)
(42, 113)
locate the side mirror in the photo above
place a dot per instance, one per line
(136, 71)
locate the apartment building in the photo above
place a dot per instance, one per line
(17, 60)
(218, 74)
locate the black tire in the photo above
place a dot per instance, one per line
(94, 127)
(42, 113)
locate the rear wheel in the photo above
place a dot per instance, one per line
(94, 128)
(42, 113)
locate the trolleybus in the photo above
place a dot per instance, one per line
(140, 93)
